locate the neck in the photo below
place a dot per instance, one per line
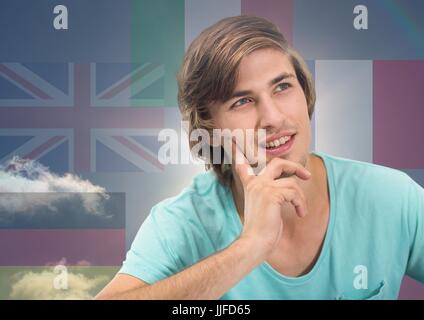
(312, 189)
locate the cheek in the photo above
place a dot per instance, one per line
(238, 120)
(296, 105)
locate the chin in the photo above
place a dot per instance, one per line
(301, 159)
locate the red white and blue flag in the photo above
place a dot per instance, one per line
(82, 117)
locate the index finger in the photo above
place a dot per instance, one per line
(277, 166)
(241, 164)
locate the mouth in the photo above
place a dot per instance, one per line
(280, 146)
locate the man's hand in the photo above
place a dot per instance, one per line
(264, 197)
(211, 277)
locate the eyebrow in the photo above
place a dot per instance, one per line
(277, 79)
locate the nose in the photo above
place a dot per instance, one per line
(270, 114)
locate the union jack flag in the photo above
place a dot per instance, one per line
(75, 117)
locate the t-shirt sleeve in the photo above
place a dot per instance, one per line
(415, 268)
(150, 257)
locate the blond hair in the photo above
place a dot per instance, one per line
(209, 71)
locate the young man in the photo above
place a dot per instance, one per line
(310, 226)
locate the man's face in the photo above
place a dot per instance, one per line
(268, 96)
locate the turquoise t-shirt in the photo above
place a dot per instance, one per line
(374, 237)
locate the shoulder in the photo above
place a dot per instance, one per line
(350, 173)
(189, 223)
(204, 194)
(375, 190)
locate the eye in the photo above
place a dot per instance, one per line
(240, 102)
(283, 86)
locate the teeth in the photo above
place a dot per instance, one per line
(277, 142)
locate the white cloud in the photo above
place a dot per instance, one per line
(40, 286)
(20, 177)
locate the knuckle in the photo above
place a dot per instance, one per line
(278, 198)
(292, 194)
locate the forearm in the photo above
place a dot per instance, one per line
(208, 279)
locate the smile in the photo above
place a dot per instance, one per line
(279, 146)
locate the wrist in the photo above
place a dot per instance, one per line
(251, 248)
